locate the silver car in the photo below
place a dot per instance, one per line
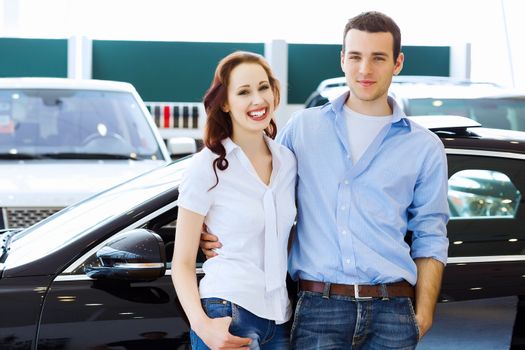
(489, 104)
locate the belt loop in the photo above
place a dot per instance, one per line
(384, 292)
(326, 290)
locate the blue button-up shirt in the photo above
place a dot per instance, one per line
(352, 218)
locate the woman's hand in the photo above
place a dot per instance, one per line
(214, 333)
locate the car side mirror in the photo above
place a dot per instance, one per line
(181, 146)
(136, 255)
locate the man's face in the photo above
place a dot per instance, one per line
(368, 64)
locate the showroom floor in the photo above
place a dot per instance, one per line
(472, 325)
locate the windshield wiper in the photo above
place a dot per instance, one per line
(10, 156)
(74, 155)
(5, 236)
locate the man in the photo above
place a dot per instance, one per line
(366, 176)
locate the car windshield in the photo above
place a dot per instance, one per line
(498, 113)
(78, 220)
(47, 123)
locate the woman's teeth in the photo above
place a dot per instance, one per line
(257, 114)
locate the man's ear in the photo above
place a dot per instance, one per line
(342, 60)
(398, 66)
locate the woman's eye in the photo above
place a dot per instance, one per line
(264, 87)
(242, 92)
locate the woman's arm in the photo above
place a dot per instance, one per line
(214, 332)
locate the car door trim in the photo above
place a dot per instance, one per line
(484, 259)
(69, 278)
(474, 152)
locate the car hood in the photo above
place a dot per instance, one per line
(43, 183)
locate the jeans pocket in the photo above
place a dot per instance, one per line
(216, 307)
(414, 320)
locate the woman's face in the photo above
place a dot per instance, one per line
(250, 99)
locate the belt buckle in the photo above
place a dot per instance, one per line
(356, 293)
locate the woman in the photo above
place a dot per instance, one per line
(241, 185)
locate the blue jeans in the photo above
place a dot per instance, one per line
(265, 334)
(341, 322)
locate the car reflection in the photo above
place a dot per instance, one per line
(482, 193)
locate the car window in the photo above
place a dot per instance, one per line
(498, 113)
(479, 193)
(46, 121)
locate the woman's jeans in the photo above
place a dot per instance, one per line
(343, 322)
(265, 334)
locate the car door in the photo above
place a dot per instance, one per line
(85, 313)
(487, 226)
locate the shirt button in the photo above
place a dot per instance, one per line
(348, 261)
(343, 232)
(347, 156)
(347, 182)
(343, 207)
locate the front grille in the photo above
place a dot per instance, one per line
(25, 217)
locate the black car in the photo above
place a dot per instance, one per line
(96, 275)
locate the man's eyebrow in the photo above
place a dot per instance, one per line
(377, 53)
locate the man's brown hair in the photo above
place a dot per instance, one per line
(375, 22)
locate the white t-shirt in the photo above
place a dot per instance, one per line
(362, 130)
(253, 222)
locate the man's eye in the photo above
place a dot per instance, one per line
(379, 58)
(354, 57)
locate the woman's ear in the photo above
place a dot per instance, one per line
(225, 108)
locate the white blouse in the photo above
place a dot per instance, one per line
(253, 222)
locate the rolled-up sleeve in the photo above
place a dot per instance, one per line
(429, 212)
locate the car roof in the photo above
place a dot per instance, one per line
(452, 91)
(464, 133)
(65, 83)
(428, 87)
(483, 140)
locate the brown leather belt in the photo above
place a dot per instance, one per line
(398, 289)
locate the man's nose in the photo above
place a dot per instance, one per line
(364, 66)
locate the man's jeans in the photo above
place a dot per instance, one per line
(265, 334)
(341, 322)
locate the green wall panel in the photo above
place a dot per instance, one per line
(163, 71)
(426, 60)
(309, 64)
(33, 57)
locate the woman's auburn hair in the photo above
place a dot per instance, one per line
(218, 123)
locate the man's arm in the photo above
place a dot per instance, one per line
(208, 242)
(429, 215)
(429, 275)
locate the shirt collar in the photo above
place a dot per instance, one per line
(398, 116)
(230, 146)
